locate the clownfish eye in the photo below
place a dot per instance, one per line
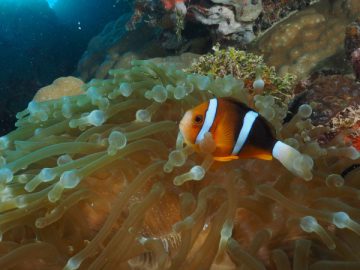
(198, 119)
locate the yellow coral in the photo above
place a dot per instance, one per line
(83, 186)
(64, 86)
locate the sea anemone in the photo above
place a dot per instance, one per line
(87, 182)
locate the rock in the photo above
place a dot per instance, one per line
(105, 49)
(352, 46)
(221, 16)
(352, 37)
(234, 18)
(355, 60)
(245, 11)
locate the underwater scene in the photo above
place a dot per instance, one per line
(180, 134)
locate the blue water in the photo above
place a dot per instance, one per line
(52, 3)
(41, 40)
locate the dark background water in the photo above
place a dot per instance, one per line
(39, 44)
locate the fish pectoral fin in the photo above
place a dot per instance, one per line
(227, 158)
(264, 156)
(250, 151)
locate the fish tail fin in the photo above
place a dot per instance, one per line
(297, 163)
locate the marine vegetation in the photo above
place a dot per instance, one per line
(247, 67)
(87, 182)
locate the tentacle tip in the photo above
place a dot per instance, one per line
(178, 181)
(168, 168)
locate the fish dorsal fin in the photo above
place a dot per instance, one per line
(237, 103)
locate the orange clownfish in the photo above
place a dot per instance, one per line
(237, 130)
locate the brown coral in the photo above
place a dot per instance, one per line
(300, 42)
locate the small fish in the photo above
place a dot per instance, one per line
(238, 132)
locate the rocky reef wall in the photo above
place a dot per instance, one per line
(301, 42)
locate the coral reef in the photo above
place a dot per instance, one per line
(247, 67)
(300, 42)
(245, 11)
(87, 183)
(328, 95)
(158, 29)
(347, 118)
(226, 21)
(335, 100)
(115, 46)
(239, 21)
(348, 122)
(143, 10)
(105, 49)
(274, 11)
(232, 17)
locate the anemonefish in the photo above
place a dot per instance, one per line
(237, 130)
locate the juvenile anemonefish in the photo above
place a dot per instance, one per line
(237, 130)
